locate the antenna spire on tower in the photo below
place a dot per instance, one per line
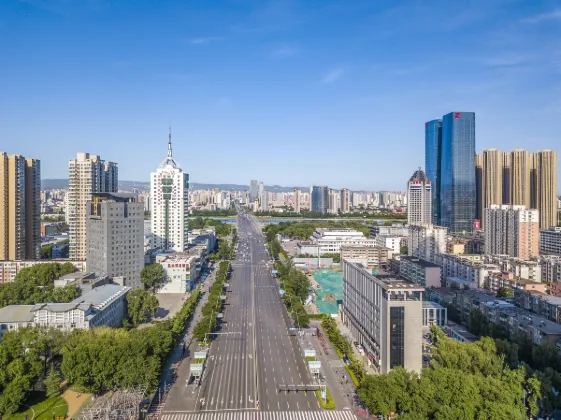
(169, 143)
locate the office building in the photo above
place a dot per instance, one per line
(544, 182)
(418, 271)
(87, 174)
(385, 315)
(20, 207)
(550, 241)
(169, 192)
(253, 190)
(334, 198)
(115, 236)
(367, 255)
(330, 241)
(512, 230)
(457, 177)
(396, 229)
(391, 242)
(426, 241)
(419, 198)
(345, 200)
(490, 181)
(103, 306)
(320, 199)
(297, 199)
(433, 147)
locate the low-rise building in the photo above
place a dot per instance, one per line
(102, 306)
(434, 315)
(183, 269)
(470, 268)
(371, 256)
(524, 269)
(539, 303)
(507, 280)
(397, 229)
(551, 268)
(427, 241)
(421, 272)
(391, 242)
(385, 315)
(9, 269)
(330, 241)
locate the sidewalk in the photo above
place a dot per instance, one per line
(177, 358)
(368, 366)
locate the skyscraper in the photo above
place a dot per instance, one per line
(87, 174)
(20, 208)
(489, 168)
(457, 172)
(345, 200)
(545, 187)
(297, 198)
(433, 146)
(253, 190)
(419, 198)
(512, 230)
(169, 192)
(520, 177)
(115, 236)
(320, 199)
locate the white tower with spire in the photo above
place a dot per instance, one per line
(169, 195)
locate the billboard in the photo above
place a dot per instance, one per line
(200, 355)
(314, 366)
(309, 353)
(477, 224)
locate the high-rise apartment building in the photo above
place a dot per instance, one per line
(87, 174)
(550, 241)
(518, 177)
(457, 172)
(115, 236)
(544, 183)
(512, 230)
(334, 202)
(385, 315)
(320, 199)
(253, 190)
(297, 198)
(433, 145)
(345, 200)
(426, 241)
(489, 173)
(419, 198)
(169, 192)
(20, 208)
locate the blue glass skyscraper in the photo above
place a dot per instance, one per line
(320, 199)
(457, 172)
(433, 144)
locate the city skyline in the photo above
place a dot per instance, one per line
(262, 82)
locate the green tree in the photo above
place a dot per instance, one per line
(141, 305)
(52, 383)
(152, 276)
(504, 292)
(404, 250)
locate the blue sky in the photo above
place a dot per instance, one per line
(289, 92)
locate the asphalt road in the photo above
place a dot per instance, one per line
(254, 353)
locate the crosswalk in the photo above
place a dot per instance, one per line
(262, 415)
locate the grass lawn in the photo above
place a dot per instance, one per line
(44, 408)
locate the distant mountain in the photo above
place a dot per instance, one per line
(54, 184)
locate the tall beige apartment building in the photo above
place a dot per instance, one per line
(519, 178)
(512, 230)
(87, 174)
(20, 208)
(345, 200)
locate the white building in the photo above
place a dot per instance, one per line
(181, 272)
(169, 193)
(367, 255)
(102, 306)
(426, 241)
(551, 268)
(470, 270)
(330, 241)
(391, 242)
(419, 198)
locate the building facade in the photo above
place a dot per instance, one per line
(10, 268)
(433, 147)
(345, 200)
(391, 242)
(426, 241)
(457, 178)
(550, 241)
(421, 272)
(87, 174)
(20, 207)
(544, 181)
(512, 230)
(370, 256)
(490, 171)
(419, 198)
(169, 192)
(385, 315)
(115, 236)
(330, 241)
(320, 199)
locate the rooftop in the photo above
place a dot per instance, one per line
(429, 304)
(102, 295)
(16, 313)
(419, 261)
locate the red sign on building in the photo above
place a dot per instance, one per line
(476, 224)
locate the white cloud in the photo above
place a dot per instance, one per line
(284, 51)
(202, 40)
(332, 76)
(553, 15)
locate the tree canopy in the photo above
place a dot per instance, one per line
(152, 276)
(36, 284)
(303, 230)
(141, 306)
